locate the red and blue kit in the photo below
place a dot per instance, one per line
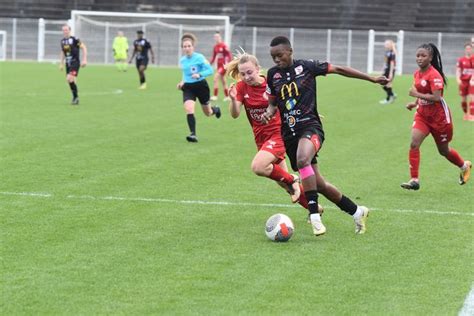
(222, 55)
(432, 117)
(255, 101)
(466, 65)
(71, 49)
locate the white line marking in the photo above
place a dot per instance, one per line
(27, 194)
(468, 307)
(225, 203)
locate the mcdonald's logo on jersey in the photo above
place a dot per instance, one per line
(289, 89)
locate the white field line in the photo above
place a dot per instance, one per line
(468, 307)
(223, 203)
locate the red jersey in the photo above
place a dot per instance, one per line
(426, 83)
(221, 53)
(466, 65)
(255, 101)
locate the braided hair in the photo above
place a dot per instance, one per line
(435, 59)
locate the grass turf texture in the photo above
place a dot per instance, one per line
(71, 253)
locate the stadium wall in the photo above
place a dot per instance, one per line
(409, 15)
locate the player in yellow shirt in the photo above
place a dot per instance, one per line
(120, 48)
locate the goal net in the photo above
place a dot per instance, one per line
(164, 31)
(3, 45)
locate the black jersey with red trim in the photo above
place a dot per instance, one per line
(71, 47)
(294, 91)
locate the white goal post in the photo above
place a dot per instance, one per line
(97, 30)
(3, 45)
(376, 43)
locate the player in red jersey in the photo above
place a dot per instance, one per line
(432, 115)
(221, 55)
(464, 70)
(250, 92)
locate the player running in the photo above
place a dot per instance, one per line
(195, 69)
(70, 52)
(291, 88)
(464, 71)
(221, 55)
(432, 115)
(141, 47)
(250, 92)
(120, 49)
(389, 70)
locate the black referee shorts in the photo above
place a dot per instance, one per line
(199, 90)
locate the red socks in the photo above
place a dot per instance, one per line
(303, 201)
(280, 175)
(216, 91)
(414, 158)
(464, 106)
(226, 92)
(455, 158)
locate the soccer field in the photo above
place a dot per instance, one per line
(106, 209)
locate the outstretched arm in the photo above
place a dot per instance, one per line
(354, 73)
(152, 55)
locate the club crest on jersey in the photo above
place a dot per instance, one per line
(70, 41)
(277, 76)
(423, 83)
(298, 69)
(193, 69)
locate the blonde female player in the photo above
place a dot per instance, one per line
(249, 91)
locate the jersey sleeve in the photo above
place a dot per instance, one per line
(240, 91)
(213, 58)
(270, 90)
(227, 54)
(318, 68)
(78, 42)
(206, 68)
(436, 82)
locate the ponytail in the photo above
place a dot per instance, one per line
(232, 68)
(435, 59)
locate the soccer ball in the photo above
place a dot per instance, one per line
(279, 227)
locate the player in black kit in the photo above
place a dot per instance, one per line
(141, 47)
(291, 86)
(70, 52)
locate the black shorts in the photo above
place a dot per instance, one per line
(291, 143)
(141, 62)
(73, 68)
(199, 90)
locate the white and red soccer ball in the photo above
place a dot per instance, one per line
(279, 227)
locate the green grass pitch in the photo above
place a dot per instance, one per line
(106, 209)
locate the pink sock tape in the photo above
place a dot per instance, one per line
(306, 172)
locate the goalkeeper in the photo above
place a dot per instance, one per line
(120, 48)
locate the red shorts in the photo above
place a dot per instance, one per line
(221, 69)
(275, 146)
(464, 88)
(439, 126)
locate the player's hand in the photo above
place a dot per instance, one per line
(266, 117)
(382, 80)
(130, 61)
(411, 106)
(232, 92)
(196, 76)
(152, 60)
(61, 67)
(413, 92)
(180, 85)
(84, 63)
